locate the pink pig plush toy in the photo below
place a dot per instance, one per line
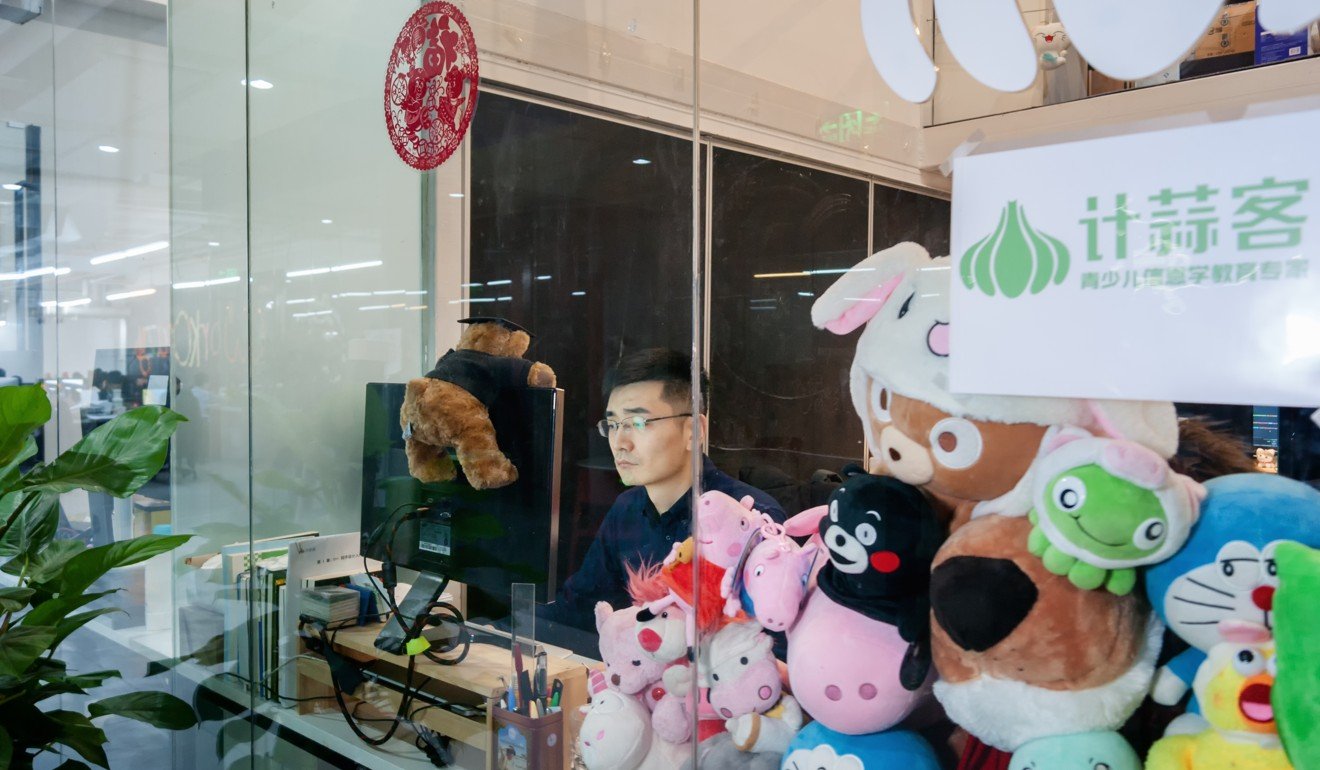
(774, 579)
(858, 656)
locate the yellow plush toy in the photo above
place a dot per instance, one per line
(1234, 686)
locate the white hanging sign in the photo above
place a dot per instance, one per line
(1177, 265)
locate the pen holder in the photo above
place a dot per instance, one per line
(520, 742)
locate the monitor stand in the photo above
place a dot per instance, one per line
(424, 592)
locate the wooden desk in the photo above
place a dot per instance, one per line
(474, 682)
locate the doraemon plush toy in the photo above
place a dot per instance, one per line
(1226, 570)
(817, 747)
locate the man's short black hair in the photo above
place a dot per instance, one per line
(669, 367)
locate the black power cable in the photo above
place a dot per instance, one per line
(404, 703)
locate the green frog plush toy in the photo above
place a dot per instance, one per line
(1103, 506)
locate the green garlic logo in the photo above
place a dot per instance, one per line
(1014, 258)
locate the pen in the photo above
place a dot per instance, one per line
(525, 692)
(538, 680)
(555, 692)
(508, 695)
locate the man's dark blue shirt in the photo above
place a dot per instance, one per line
(634, 533)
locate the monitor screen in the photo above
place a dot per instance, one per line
(485, 539)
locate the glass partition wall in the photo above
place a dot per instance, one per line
(210, 215)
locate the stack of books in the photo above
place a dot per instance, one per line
(332, 605)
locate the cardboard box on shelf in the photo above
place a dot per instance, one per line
(1100, 83)
(1281, 46)
(1233, 31)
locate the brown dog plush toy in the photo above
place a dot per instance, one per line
(449, 407)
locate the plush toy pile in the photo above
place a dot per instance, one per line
(1012, 565)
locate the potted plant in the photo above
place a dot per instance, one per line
(51, 585)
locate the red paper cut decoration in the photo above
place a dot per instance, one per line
(431, 85)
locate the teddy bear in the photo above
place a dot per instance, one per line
(449, 407)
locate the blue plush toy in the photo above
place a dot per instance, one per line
(1083, 751)
(1226, 569)
(817, 747)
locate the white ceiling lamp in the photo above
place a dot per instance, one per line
(1133, 39)
(12, 186)
(130, 294)
(35, 272)
(212, 282)
(897, 53)
(990, 41)
(49, 304)
(261, 85)
(334, 269)
(107, 148)
(136, 251)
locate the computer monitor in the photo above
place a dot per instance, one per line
(485, 539)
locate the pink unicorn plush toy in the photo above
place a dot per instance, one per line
(746, 689)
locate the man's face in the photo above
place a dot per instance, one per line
(660, 450)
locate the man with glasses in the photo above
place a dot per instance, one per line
(649, 424)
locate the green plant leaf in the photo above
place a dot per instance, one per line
(159, 709)
(46, 564)
(51, 612)
(14, 599)
(93, 678)
(74, 622)
(6, 749)
(35, 526)
(23, 409)
(85, 567)
(9, 470)
(20, 646)
(78, 733)
(116, 458)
